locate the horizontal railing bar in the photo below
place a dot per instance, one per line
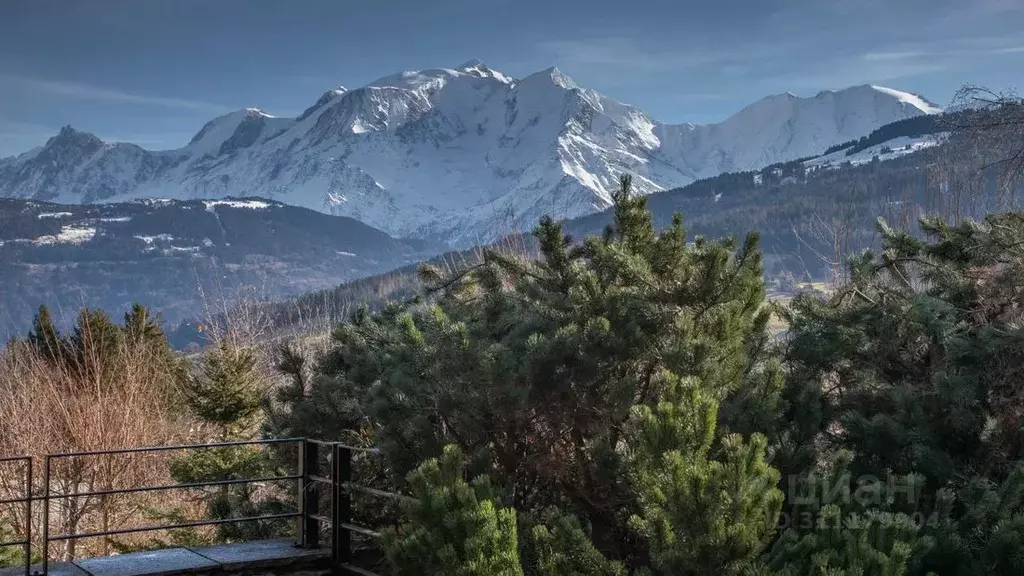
(173, 526)
(323, 519)
(354, 448)
(320, 442)
(177, 447)
(320, 479)
(19, 501)
(375, 492)
(361, 530)
(114, 492)
(19, 543)
(15, 459)
(358, 570)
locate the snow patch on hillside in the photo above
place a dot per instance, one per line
(154, 238)
(885, 151)
(250, 204)
(67, 235)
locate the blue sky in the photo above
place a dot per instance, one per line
(154, 71)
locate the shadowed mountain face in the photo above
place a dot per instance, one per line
(171, 255)
(464, 154)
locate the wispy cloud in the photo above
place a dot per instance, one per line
(628, 53)
(82, 91)
(1009, 50)
(885, 56)
(951, 51)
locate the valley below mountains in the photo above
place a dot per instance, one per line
(184, 259)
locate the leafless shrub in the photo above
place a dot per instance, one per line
(989, 133)
(91, 401)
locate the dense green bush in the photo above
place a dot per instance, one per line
(626, 400)
(454, 527)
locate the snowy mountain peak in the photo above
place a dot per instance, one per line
(465, 154)
(324, 100)
(215, 129)
(475, 67)
(560, 79)
(545, 80)
(472, 63)
(69, 136)
(431, 80)
(238, 129)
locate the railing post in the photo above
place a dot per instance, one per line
(28, 517)
(309, 501)
(341, 504)
(46, 515)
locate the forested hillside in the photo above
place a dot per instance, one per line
(177, 257)
(809, 220)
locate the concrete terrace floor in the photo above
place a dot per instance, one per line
(270, 557)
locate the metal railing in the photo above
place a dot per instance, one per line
(309, 478)
(26, 500)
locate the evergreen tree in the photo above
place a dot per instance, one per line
(10, 555)
(94, 346)
(698, 514)
(45, 337)
(141, 326)
(227, 394)
(847, 526)
(558, 546)
(981, 528)
(453, 528)
(913, 365)
(533, 366)
(915, 354)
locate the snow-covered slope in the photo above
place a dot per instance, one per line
(464, 154)
(887, 150)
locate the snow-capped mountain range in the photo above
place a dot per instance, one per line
(464, 154)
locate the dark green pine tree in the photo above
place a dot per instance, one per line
(141, 326)
(533, 366)
(453, 527)
(95, 346)
(45, 337)
(846, 526)
(559, 546)
(227, 394)
(981, 528)
(914, 366)
(228, 391)
(698, 514)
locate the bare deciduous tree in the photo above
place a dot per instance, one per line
(118, 398)
(990, 129)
